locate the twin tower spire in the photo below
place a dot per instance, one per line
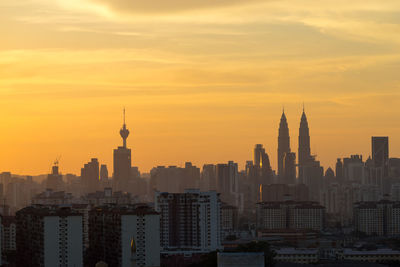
(284, 152)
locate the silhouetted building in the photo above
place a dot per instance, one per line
(107, 196)
(227, 182)
(119, 232)
(54, 180)
(283, 192)
(103, 173)
(339, 170)
(189, 221)
(122, 162)
(90, 175)
(353, 169)
(313, 174)
(174, 179)
(283, 146)
(289, 168)
(304, 154)
(49, 197)
(380, 155)
(208, 178)
(49, 236)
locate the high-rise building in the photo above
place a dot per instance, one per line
(49, 236)
(122, 162)
(208, 180)
(289, 168)
(283, 144)
(262, 165)
(227, 182)
(339, 170)
(103, 173)
(90, 175)
(353, 169)
(304, 154)
(120, 234)
(380, 155)
(54, 180)
(190, 221)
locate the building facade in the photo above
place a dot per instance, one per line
(123, 235)
(189, 221)
(49, 236)
(290, 215)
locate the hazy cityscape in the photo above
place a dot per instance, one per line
(199, 133)
(298, 213)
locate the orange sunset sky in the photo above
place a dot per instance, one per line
(201, 80)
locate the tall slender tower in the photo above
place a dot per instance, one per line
(122, 162)
(304, 154)
(124, 132)
(283, 143)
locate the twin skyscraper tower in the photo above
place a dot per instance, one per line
(286, 158)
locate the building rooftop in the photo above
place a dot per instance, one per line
(130, 209)
(48, 210)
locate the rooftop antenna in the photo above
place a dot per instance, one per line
(124, 115)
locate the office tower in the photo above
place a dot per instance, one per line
(227, 182)
(339, 170)
(353, 169)
(208, 179)
(190, 221)
(103, 173)
(290, 215)
(283, 144)
(117, 233)
(192, 176)
(377, 218)
(262, 164)
(289, 169)
(54, 180)
(90, 176)
(380, 155)
(313, 174)
(49, 236)
(304, 146)
(172, 179)
(122, 162)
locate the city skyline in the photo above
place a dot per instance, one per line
(124, 133)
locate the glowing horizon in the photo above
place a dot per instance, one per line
(202, 81)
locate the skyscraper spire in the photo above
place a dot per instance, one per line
(283, 142)
(304, 144)
(124, 132)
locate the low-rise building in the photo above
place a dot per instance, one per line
(377, 218)
(297, 215)
(293, 255)
(379, 255)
